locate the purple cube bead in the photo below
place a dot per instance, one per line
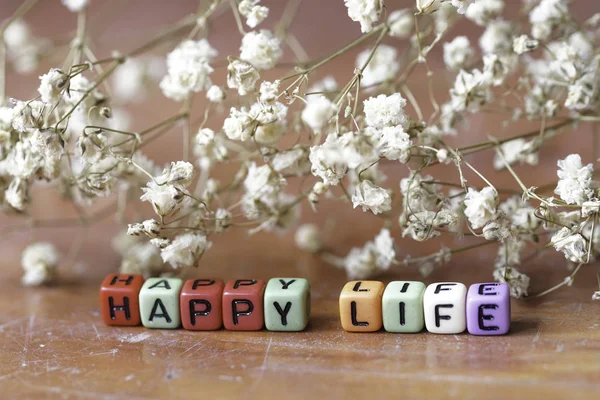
(488, 309)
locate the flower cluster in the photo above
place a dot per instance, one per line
(294, 139)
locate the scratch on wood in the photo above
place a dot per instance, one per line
(538, 334)
(194, 346)
(96, 330)
(262, 368)
(135, 338)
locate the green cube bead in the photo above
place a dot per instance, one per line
(159, 303)
(402, 306)
(287, 304)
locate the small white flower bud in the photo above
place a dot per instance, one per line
(308, 238)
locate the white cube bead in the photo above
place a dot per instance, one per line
(444, 307)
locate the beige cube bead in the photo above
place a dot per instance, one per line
(360, 306)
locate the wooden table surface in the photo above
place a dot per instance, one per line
(53, 343)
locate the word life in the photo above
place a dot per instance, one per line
(282, 304)
(408, 306)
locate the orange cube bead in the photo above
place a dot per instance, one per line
(119, 299)
(360, 306)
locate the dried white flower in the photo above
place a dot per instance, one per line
(574, 180)
(16, 194)
(327, 160)
(497, 38)
(546, 15)
(509, 253)
(185, 250)
(149, 227)
(483, 11)
(498, 230)
(261, 49)
(458, 53)
(520, 214)
(422, 225)
(428, 6)
(164, 198)
(366, 12)
(52, 84)
(382, 67)
(261, 182)
(480, 206)
(401, 23)
(589, 208)
(382, 111)
(39, 261)
(179, 172)
(375, 257)
(188, 69)
(215, 94)
(443, 156)
(17, 34)
(393, 143)
(517, 281)
(294, 161)
(417, 194)
(462, 5)
(223, 220)
(523, 44)
(470, 91)
(573, 245)
(517, 150)
(308, 238)
(254, 13)
(371, 197)
(317, 112)
(75, 5)
(242, 76)
(237, 125)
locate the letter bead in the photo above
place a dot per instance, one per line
(402, 307)
(200, 304)
(119, 299)
(159, 303)
(360, 306)
(243, 305)
(488, 309)
(287, 304)
(444, 307)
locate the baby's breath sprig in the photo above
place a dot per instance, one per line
(330, 139)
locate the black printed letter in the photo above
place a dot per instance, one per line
(125, 307)
(163, 311)
(243, 282)
(439, 317)
(194, 313)
(284, 284)
(234, 309)
(486, 317)
(202, 282)
(163, 283)
(440, 287)
(283, 313)
(353, 315)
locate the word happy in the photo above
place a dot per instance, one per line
(283, 304)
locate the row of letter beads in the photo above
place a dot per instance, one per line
(283, 304)
(407, 306)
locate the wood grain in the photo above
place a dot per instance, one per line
(53, 343)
